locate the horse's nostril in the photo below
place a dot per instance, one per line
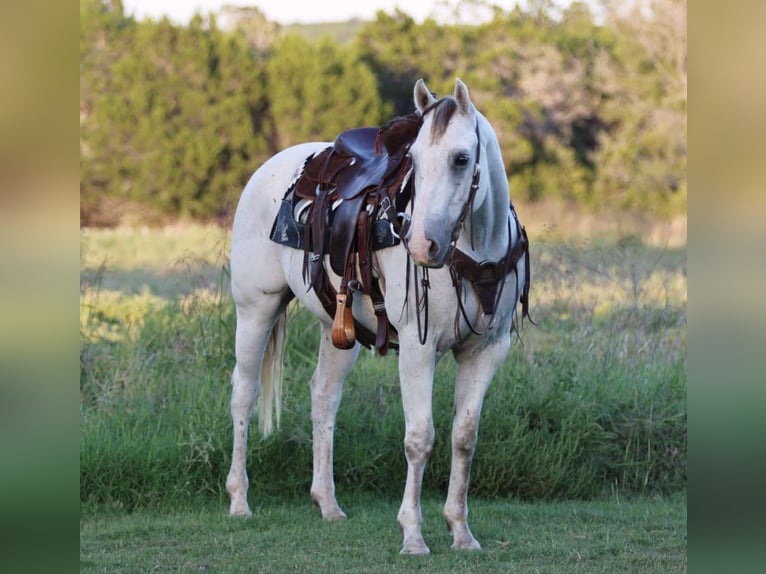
(434, 249)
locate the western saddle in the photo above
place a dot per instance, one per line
(355, 189)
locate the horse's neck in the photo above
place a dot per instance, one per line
(489, 221)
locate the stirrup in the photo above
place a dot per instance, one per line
(343, 332)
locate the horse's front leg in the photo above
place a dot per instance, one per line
(475, 371)
(416, 372)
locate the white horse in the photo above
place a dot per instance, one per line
(265, 276)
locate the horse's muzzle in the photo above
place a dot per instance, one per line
(428, 252)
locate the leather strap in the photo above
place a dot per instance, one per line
(363, 238)
(487, 276)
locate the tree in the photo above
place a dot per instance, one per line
(178, 117)
(181, 125)
(317, 91)
(642, 159)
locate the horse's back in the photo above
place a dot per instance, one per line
(255, 259)
(260, 198)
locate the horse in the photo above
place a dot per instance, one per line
(460, 204)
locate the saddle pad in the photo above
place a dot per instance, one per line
(287, 231)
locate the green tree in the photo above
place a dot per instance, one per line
(641, 160)
(400, 51)
(178, 117)
(183, 121)
(319, 90)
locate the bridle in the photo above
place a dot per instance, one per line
(487, 277)
(405, 219)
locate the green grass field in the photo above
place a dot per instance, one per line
(581, 459)
(287, 535)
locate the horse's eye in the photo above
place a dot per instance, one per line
(461, 160)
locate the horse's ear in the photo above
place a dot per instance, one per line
(462, 97)
(423, 97)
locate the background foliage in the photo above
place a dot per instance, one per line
(174, 119)
(591, 401)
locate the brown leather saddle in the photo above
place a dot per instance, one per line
(355, 187)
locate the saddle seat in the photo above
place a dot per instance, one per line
(361, 143)
(359, 158)
(368, 162)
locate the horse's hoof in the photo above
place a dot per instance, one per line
(330, 510)
(415, 548)
(471, 544)
(337, 514)
(462, 537)
(240, 511)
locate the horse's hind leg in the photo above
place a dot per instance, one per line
(326, 386)
(254, 324)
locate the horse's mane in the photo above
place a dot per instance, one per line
(443, 111)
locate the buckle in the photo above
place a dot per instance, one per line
(403, 227)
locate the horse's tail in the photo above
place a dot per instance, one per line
(270, 402)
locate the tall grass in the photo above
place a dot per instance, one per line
(590, 400)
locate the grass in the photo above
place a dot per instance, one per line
(581, 460)
(287, 535)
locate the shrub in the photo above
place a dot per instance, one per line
(592, 398)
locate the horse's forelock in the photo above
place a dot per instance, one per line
(442, 111)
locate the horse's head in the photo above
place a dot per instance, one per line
(444, 157)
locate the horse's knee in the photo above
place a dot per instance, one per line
(418, 443)
(464, 436)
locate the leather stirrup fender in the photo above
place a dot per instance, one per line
(382, 335)
(343, 333)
